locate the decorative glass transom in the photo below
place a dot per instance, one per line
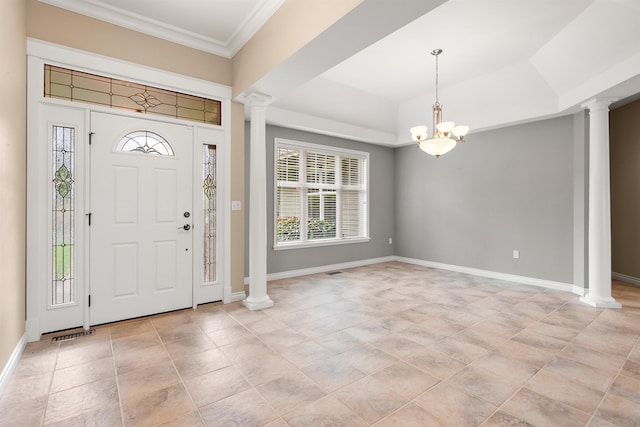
(72, 85)
(63, 213)
(209, 213)
(146, 142)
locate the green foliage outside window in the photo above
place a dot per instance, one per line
(289, 228)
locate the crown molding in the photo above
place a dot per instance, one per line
(133, 21)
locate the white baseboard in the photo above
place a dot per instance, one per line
(10, 367)
(625, 278)
(326, 268)
(238, 296)
(567, 287)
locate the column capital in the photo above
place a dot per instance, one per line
(257, 99)
(596, 104)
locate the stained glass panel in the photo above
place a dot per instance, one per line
(145, 142)
(63, 215)
(77, 86)
(209, 214)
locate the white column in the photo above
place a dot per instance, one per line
(599, 294)
(258, 297)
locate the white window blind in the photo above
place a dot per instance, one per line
(320, 196)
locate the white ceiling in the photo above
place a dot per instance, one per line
(504, 61)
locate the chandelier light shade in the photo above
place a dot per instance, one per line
(441, 141)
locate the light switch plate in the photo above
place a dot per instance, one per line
(236, 205)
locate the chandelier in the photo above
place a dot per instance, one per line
(440, 142)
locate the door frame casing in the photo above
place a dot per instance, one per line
(39, 53)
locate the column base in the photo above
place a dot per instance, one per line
(257, 303)
(607, 302)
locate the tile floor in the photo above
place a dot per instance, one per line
(388, 345)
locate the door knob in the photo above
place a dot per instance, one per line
(185, 227)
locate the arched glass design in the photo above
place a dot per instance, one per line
(146, 142)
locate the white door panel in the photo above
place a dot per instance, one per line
(140, 252)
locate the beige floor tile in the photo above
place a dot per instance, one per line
(370, 399)
(339, 341)
(146, 380)
(619, 411)
(626, 387)
(367, 358)
(540, 342)
(189, 346)
(524, 353)
(463, 351)
(108, 416)
(130, 328)
(156, 407)
(245, 349)
(135, 342)
(562, 389)
(200, 363)
(485, 385)
(36, 365)
(216, 385)
(282, 338)
(76, 375)
(513, 371)
(289, 392)
(410, 415)
(537, 409)
(435, 363)
(306, 353)
(502, 419)
(247, 408)
(127, 361)
(604, 361)
(327, 411)
(579, 372)
(192, 419)
(406, 380)
(24, 412)
(82, 399)
(398, 346)
(390, 344)
(263, 368)
(453, 406)
(332, 374)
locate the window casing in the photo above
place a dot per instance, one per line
(321, 195)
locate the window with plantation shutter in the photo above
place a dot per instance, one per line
(320, 195)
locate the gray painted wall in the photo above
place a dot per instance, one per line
(381, 209)
(504, 189)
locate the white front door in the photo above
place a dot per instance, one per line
(141, 205)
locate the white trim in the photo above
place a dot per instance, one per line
(315, 243)
(12, 363)
(133, 21)
(239, 296)
(625, 278)
(326, 268)
(567, 287)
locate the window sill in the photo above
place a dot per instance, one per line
(319, 243)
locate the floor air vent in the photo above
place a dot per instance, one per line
(72, 336)
(331, 273)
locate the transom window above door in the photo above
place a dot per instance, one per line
(78, 86)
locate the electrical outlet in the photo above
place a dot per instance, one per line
(235, 205)
(390, 241)
(516, 254)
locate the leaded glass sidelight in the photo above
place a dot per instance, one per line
(209, 214)
(145, 142)
(63, 215)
